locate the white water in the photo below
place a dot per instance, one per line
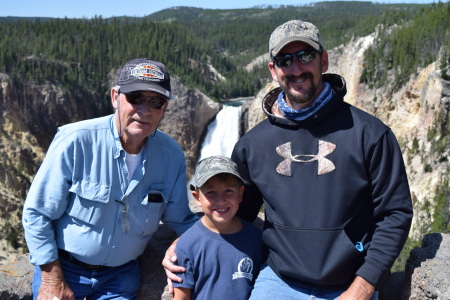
(222, 133)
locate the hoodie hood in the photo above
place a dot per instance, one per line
(273, 113)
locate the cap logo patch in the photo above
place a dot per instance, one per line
(147, 72)
(144, 71)
(294, 28)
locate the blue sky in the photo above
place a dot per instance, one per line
(133, 8)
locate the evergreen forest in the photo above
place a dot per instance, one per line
(81, 54)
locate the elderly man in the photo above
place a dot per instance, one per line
(102, 190)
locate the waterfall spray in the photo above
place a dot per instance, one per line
(222, 133)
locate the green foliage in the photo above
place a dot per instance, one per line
(440, 223)
(415, 145)
(244, 33)
(81, 53)
(11, 235)
(445, 63)
(431, 133)
(441, 216)
(415, 43)
(439, 134)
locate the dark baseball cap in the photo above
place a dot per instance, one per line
(212, 166)
(291, 31)
(143, 74)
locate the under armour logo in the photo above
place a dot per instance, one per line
(324, 165)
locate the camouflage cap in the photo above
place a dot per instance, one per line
(291, 31)
(212, 166)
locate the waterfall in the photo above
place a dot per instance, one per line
(222, 133)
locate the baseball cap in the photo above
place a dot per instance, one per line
(143, 74)
(212, 166)
(291, 31)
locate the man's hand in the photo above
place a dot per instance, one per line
(53, 286)
(170, 258)
(360, 289)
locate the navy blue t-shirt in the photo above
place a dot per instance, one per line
(220, 266)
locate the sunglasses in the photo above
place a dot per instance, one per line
(286, 60)
(156, 102)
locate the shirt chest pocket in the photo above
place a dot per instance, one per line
(89, 202)
(148, 213)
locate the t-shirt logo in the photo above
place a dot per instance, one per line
(245, 269)
(324, 165)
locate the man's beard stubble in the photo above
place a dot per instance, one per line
(299, 98)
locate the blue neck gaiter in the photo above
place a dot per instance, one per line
(304, 113)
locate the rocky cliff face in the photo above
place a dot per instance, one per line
(412, 112)
(186, 118)
(426, 275)
(30, 116)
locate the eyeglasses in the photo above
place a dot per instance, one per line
(303, 56)
(155, 102)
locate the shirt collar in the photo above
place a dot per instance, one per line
(116, 135)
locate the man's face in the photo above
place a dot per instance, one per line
(301, 82)
(134, 121)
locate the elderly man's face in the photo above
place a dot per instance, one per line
(136, 121)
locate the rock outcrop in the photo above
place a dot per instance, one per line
(186, 118)
(427, 272)
(426, 276)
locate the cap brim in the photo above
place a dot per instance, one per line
(206, 178)
(145, 87)
(289, 40)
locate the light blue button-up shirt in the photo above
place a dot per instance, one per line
(81, 200)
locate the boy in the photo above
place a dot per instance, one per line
(221, 253)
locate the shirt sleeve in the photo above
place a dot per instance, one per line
(188, 276)
(177, 213)
(392, 209)
(47, 201)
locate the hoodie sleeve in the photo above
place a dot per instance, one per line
(392, 209)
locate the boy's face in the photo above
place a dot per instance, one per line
(219, 197)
